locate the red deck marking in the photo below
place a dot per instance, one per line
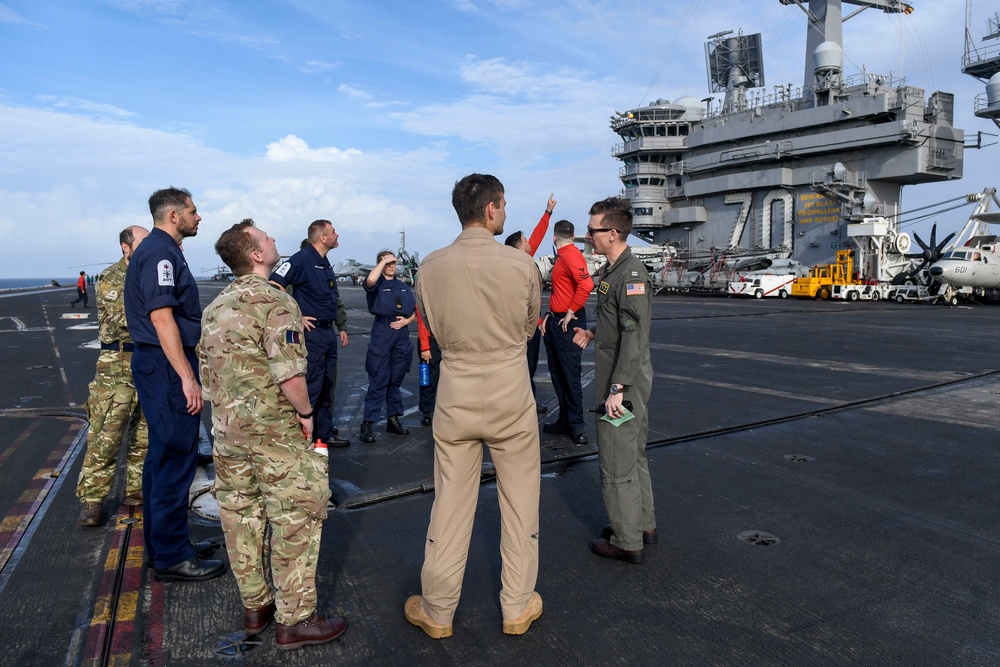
(39, 485)
(112, 626)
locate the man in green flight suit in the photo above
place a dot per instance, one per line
(624, 373)
(113, 406)
(252, 361)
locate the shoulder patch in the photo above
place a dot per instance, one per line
(603, 289)
(165, 273)
(283, 269)
(293, 337)
(635, 289)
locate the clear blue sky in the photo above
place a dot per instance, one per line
(367, 112)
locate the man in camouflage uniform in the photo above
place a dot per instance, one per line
(269, 482)
(113, 406)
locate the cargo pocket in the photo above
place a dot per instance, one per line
(309, 484)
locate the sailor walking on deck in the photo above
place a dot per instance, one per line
(81, 291)
(112, 407)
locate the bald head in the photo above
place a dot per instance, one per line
(130, 238)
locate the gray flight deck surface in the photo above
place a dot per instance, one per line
(853, 446)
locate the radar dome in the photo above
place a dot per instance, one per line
(828, 57)
(993, 90)
(692, 104)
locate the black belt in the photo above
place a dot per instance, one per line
(118, 345)
(323, 324)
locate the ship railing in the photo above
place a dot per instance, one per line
(654, 168)
(980, 56)
(793, 96)
(981, 103)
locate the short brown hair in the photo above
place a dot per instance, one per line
(316, 229)
(617, 212)
(471, 195)
(235, 246)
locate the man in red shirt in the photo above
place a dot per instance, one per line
(571, 286)
(530, 245)
(81, 291)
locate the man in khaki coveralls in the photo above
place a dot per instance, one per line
(624, 372)
(480, 300)
(252, 359)
(113, 407)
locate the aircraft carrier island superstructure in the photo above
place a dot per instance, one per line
(790, 173)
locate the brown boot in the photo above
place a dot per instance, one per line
(90, 514)
(313, 630)
(133, 499)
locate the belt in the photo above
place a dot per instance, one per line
(323, 324)
(118, 345)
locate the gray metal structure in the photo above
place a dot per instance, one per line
(784, 172)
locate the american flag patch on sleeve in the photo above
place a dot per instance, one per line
(293, 337)
(635, 289)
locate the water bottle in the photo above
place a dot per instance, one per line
(425, 374)
(321, 448)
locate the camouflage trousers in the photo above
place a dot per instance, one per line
(280, 488)
(113, 411)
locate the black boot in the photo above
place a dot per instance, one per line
(392, 425)
(367, 435)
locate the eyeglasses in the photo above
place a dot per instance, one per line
(592, 231)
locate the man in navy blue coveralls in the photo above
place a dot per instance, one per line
(315, 289)
(163, 312)
(390, 351)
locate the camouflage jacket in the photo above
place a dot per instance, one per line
(251, 342)
(111, 325)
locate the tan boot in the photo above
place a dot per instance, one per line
(418, 616)
(532, 611)
(90, 515)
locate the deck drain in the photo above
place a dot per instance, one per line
(758, 538)
(798, 458)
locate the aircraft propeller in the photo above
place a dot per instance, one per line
(932, 252)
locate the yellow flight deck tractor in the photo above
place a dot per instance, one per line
(822, 278)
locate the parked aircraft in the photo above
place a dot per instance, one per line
(352, 268)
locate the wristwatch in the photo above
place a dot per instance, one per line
(302, 416)
(617, 389)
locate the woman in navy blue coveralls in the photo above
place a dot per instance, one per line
(390, 351)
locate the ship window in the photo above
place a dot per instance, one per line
(672, 131)
(643, 181)
(647, 131)
(661, 131)
(683, 130)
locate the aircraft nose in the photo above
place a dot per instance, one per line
(937, 271)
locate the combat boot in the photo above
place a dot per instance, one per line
(392, 425)
(367, 434)
(90, 515)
